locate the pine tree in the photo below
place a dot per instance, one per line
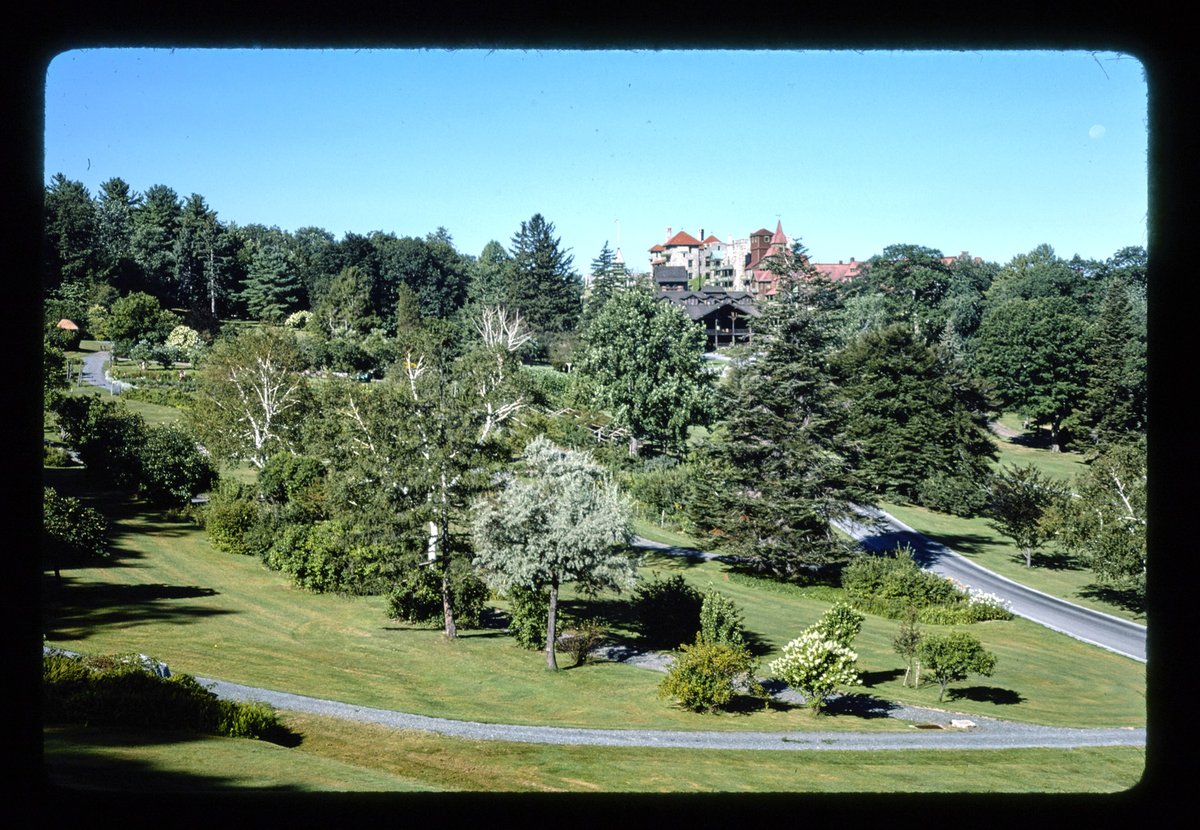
(544, 288)
(272, 289)
(1114, 404)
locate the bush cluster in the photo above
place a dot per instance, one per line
(417, 597)
(888, 585)
(122, 690)
(528, 613)
(667, 612)
(583, 638)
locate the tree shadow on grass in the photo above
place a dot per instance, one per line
(71, 609)
(1057, 561)
(1126, 598)
(985, 694)
(856, 705)
(870, 679)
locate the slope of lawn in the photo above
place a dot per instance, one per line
(338, 755)
(168, 593)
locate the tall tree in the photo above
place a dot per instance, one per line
(1034, 352)
(562, 521)
(252, 396)
(272, 289)
(70, 243)
(913, 281)
(1104, 520)
(1041, 274)
(643, 361)
(774, 476)
(608, 276)
(544, 288)
(431, 267)
(907, 426)
(1114, 404)
(115, 206)
(1019, 499)
(202, 254)
(491, 276)
(155, 226)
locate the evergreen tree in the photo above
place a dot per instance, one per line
(115, 207)
(70, 241)
(155, 227)
(491, 276)
(544, 288)
(774, 476)
(608, 277)
(905, 424)
(1114, 403)
(202, 254)
(272, 289)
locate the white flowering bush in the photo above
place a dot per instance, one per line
(816, 666)
(298, 320)
(982, 606)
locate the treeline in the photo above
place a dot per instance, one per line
(878, 387)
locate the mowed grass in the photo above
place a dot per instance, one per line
(169, 594)
(339, 755)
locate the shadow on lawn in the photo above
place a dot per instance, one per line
(1057, 561)
(985, 694)
(71, 608)
(1125, 598)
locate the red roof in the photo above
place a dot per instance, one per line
(657, 248)
(67, 324)
(683, 238)
(779, 238)
(838, 270)
(711, 238)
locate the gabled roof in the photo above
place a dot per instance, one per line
(838, 270)
(761, 232)
(778, 238)
(683, 238)
(712, 238)
(657, 248)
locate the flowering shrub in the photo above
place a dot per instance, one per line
(816, 666)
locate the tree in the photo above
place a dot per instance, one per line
(543, 287)
(1114, 402)
(816, 666)
(564, 521)
(773, 476)
(721, 620)
(272, 289)
(907, 424)
(1104, 518)
(491, 276)
(1041, 274)
(107, 436)
(1018, 500)
(155, 226)
(907, 644)
(608, 277)
(1034, 352)
(251, 396)
(344, 309)
(172, 468)
(430, 267)
(71, 531)
(70, 248)
(134, 317)
(643, 362)
(913, 281)
(952, 657)
(203, 252)
(115, 207)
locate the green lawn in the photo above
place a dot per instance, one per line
(337, 755)
(168, 593)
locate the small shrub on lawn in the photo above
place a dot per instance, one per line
(582, 639)
(721, 620)
(705, 676)
(528, 613)
(229, 519)
(667, 612)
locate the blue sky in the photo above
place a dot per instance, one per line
(990, 152)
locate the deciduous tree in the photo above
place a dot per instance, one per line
(1018, 500)
(952, 657)
(561, 521)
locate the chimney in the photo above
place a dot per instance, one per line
(702, 234)
(668, 239)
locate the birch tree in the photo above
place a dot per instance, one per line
(252, 396)
(561, 521)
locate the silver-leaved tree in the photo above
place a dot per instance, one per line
(560, 520)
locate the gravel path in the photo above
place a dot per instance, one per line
(935, 732)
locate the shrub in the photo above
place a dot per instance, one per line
(721, 620)
(889, 583)
(954, 656)
(124, 690)
(957, 495)
(841, 623)
(667, 612)
(528, 615)
(230, 519)
(417, 597)
(816, 666)
(583, 638)
(172, 467)
(704, 676)
(54, 456)
(71, 531)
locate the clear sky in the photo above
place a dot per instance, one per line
(988, 152)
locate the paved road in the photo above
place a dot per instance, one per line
(1095, 627)
(94, 374)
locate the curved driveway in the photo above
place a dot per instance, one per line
(1095, 627)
